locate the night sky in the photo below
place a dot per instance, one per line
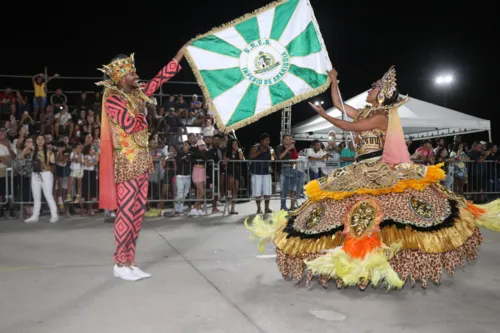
(74, 38)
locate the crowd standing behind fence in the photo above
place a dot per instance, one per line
(222, 172)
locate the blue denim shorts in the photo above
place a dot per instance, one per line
(40, 102)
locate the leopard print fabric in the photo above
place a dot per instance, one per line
(409, 264)
(125, 170)
(396, 207)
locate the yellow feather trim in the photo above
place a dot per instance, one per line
(374, 267)
(434, 175)
(443, 240)
(264, 230)
(491, 218)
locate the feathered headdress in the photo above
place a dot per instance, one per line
(387, 85)
(395, 149)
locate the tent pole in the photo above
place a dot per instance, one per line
(489, 135)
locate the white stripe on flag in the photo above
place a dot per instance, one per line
(207, 60)
(297, 85)
(263, 99)
(298, 22)
(316, 61)
(227, 102)
(265, 21)
(233, 37)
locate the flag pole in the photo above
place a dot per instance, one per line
(345, 113)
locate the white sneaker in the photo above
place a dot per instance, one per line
(54, 219)
(193, 212)
(32, 219)
(125, 273)
(140, 273)
(201, 212)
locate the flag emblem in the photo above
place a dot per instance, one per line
(260, 63)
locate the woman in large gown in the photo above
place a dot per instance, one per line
(381, 220)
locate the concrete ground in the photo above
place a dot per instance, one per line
(208, 277)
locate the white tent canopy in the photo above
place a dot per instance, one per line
(418, 118)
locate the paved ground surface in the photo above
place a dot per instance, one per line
(208, 277)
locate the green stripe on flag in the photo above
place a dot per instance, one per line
(282, 16)
(280, 93)
(215, 44)
(246, 107)
(219, 80)
(249, 29)
(305, 43)
(311, 77)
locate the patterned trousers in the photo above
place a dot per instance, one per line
(132, 196)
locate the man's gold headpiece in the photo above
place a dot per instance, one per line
(119, 68)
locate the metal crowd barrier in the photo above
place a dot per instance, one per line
(477, 181)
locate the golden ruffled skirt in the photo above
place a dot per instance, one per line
(371, 223)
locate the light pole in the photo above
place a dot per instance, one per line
(444, 81)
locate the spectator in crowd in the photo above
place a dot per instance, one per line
(492, 169)
(47, 119)
(333, 161)
(440, 144)
(425, 154)
(460, 171)
(40, 88)
(215, 155)
(83, 102)
(7, 156)
(169, 102)
(442, 157)
(62, 173)
(181, 107)
(233, 170)
(317, 158)
(289, 175)
(169, 166)
(261, 179)
(182, 176)
(25, 170)
(23, 105)
(89, 186)
(195, 104)
(348, 154)
(42, 180)
(207, 129)
(173, 127)
(199, 159)
(7, 102)
(11, 126)
(97, 105)
(156, 176)
(59, 101)
(76, 166)
(64, 121)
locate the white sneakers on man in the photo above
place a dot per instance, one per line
(132, 273)
(140, 273)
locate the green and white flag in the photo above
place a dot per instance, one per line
(261, 63)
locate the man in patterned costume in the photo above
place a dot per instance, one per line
(382, 220)
(125, 162)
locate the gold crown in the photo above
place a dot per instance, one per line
(387, 84)
(119, 68)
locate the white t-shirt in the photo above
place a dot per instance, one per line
(75, 165)
(63, 117)
(4, 152)
(315, 165)
(208, 131)
(90, 159)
